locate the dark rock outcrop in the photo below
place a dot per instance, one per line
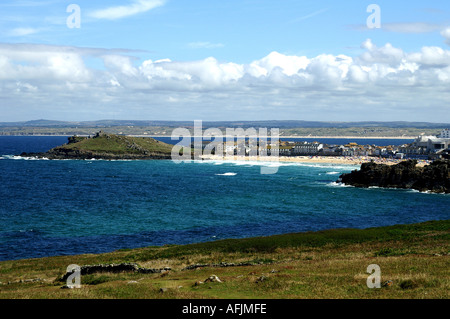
(434, 177)
(114, 268)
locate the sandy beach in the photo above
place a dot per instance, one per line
(355, 160)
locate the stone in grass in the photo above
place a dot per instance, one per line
(261, 279)
(213, 278)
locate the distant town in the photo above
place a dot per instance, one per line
(423, 147)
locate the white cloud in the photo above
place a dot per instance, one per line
(431, 56)
(335, 85)
(289, 65)
(446, 34)
(20, 32)
(387, 54)
(118, 12)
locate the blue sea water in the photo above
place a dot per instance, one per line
(68, 207)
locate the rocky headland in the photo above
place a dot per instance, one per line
(434, 177)
(108, 147)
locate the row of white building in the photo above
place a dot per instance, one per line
(428, 145)
(423, 147)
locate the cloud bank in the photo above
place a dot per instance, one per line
(382, 83)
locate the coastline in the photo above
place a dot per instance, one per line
(356, 137)
(281, 136)
(310, 137)
(355, 160)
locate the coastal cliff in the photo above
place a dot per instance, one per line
(434, 177)
(109, 147)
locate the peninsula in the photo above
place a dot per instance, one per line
(434, 177)
(108, 147)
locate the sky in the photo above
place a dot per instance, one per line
(321, 60)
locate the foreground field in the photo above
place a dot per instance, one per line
(414, 263)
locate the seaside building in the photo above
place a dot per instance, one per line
(285, 150)
(445, 133)
(437, 145)
(307, 148)
(426, 147)
(423, 147)
(331, 150)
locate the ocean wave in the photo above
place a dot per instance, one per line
(227, 174)
(333, 173)
(24, 158)
(426, 192)
(344, 167)
(336, 184)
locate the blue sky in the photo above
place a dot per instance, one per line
(225, 60)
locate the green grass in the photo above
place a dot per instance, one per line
(334, 238)
(115, 144)
(325, 264)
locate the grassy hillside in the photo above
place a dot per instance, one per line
(110, 145)
(414, 260)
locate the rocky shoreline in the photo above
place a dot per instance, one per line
(405, 175)
(86, 155)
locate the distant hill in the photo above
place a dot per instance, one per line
(231, 124)
(165, 128)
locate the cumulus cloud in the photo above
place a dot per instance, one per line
(385, 76)
(135, 7)
(386, 54)
(446, 34)
(374, 65)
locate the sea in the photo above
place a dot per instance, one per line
(69, 207)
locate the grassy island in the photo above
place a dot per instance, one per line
(109, 146)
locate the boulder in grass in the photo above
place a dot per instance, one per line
(213, 278)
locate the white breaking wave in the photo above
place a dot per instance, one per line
(335, 184)
(281, 164)
(24, 158)
(332, 173)
(227, 174)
